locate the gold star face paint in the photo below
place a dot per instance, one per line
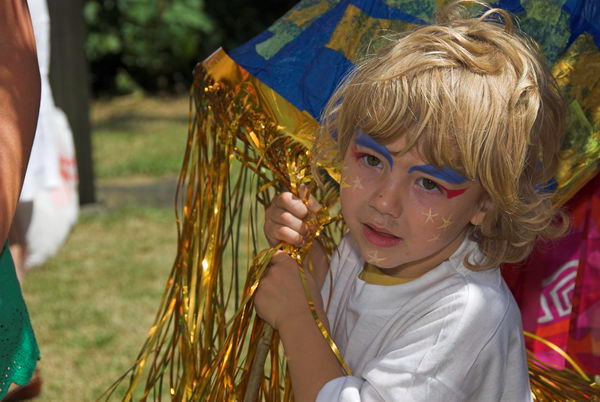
(357, 184)
(446, 222)
(374, 258)
(429, 216)
(434, 238)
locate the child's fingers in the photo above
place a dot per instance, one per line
(289, 202)
(289, 220)
(285, 218)
(281, 225)
(312, 204)
(290, 236)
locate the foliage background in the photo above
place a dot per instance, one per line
(153, 45)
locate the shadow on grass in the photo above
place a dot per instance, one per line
(128, 122)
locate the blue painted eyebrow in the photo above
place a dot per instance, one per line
(447, 174)
(368, 142)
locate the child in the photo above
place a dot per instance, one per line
(446, 138)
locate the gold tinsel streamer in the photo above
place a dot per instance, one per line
(240, 151)
(549, 383)
(245, 143)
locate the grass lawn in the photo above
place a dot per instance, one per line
(92, 304)
(137, 136)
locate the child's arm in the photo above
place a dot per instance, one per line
(280, 301)
(280, 298)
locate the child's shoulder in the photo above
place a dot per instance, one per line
(483, 292)
(475, 307)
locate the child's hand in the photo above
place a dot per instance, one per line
(280, 299)
(284, 220)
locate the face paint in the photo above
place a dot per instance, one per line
(354, 183)
(365, 141)
(452, 193)
(374, 258)
(447, 174)
(434, 238)
(429, 216)
(445, 222)
(357, 184)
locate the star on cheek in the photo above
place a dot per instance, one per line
(356, 184)
(429, 216)
(434, 238)
(446, 222)
(374, 258)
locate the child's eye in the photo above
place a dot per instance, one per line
(368, 159)
(372, 160)
(428, 184)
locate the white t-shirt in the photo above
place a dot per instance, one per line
(450, 335)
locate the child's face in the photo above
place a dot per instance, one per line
(405, 215)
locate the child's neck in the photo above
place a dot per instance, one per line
(417, 268)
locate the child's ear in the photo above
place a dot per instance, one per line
(484, 206)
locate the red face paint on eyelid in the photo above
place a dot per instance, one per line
(452, 193)
(357, 154)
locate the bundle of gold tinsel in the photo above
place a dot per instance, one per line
(206, 339)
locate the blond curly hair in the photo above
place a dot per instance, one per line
(472, 94)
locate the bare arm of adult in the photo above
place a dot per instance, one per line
(19, 104)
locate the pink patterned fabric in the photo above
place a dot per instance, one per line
(558, 287)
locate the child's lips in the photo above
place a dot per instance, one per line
(379, 237)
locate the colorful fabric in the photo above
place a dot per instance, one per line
(305, 54)
(558, 288)
(19, 352)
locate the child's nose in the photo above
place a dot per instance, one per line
(387, 200)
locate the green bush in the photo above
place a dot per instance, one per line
(150, 44)
(154, 44)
